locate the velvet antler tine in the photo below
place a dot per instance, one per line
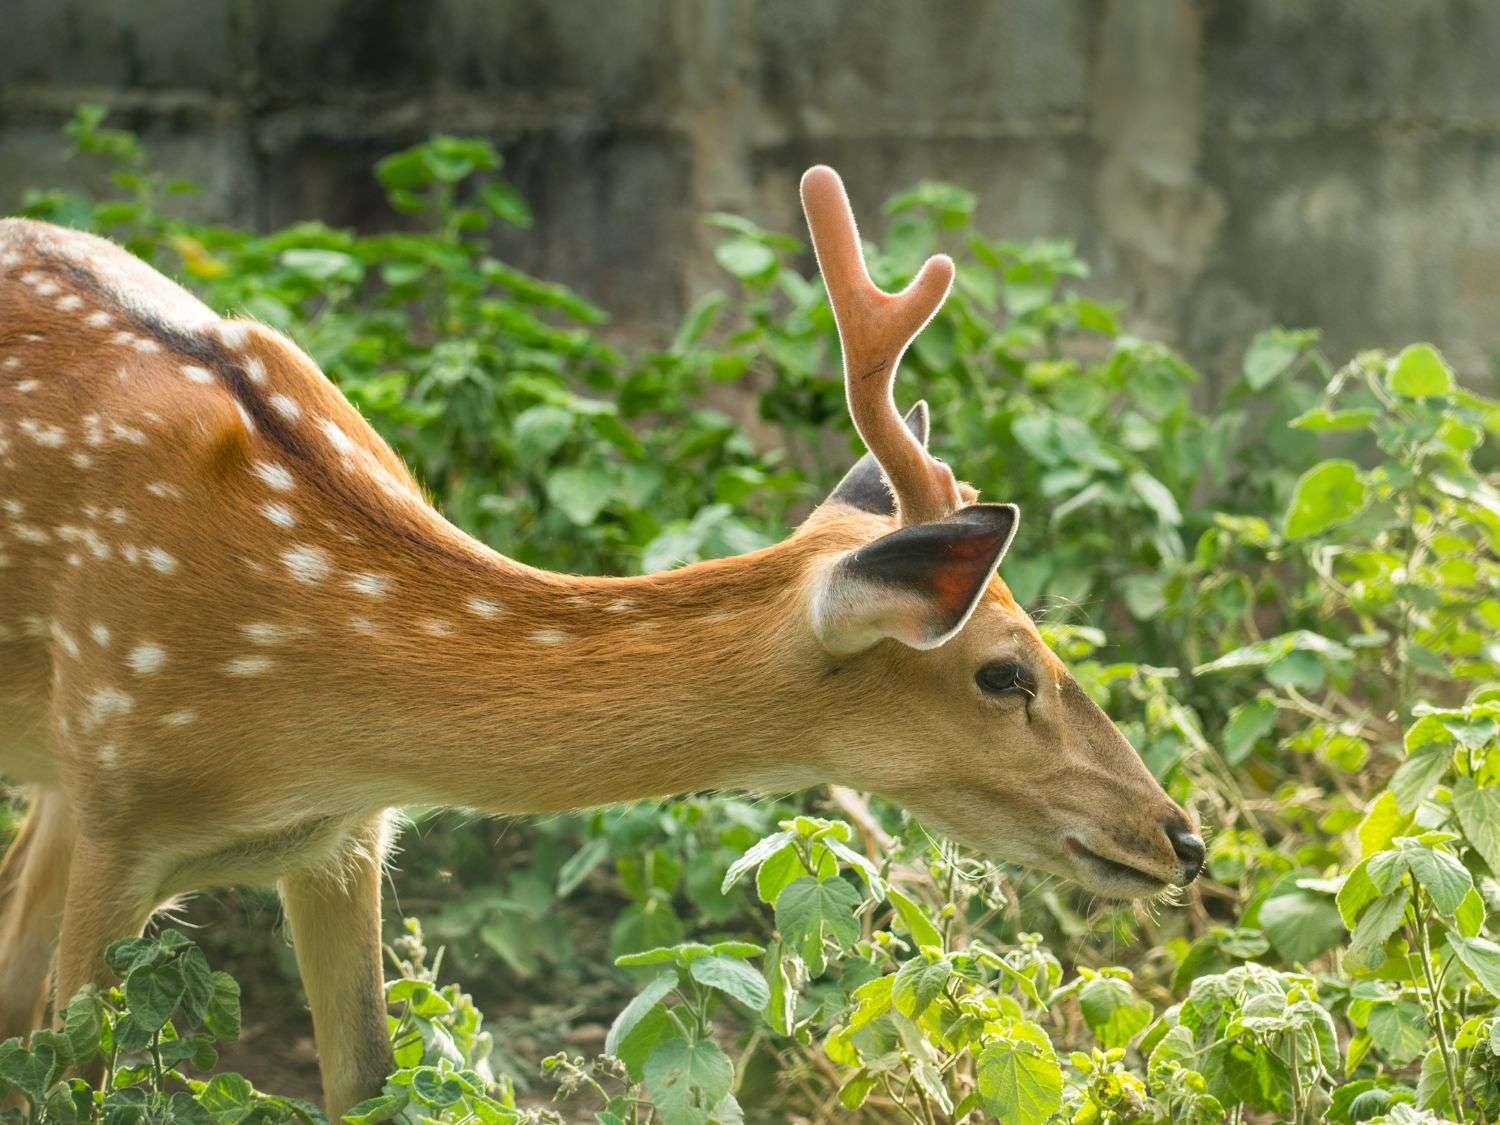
(875, 329)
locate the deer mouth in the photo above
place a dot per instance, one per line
(1113, 872)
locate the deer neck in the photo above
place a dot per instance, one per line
(532, 692)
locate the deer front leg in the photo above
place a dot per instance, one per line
(334, 913)
(106, 901)
(33, 883)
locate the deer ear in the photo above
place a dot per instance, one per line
(917, 585)
(865, 486)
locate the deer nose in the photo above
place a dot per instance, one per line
(1188, 847)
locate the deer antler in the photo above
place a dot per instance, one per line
(875, 328)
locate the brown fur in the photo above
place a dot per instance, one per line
(279, 709)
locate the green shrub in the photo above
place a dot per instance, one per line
(1281, 582)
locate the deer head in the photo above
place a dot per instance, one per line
(963, 714)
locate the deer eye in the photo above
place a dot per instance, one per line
(1002, 677)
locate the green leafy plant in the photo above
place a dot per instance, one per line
(1280, 580)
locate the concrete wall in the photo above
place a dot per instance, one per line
(1224, 163)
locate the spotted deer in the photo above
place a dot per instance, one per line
(234, 636)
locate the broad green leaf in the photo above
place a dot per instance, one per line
(153, 993)
(758, 853)
(1301, 925)
(1383, 822)
(1157, 496)
(1322, 420)
(1248, 724)
(699, 319)
(809, 906)
(1471, 913)
(733, 978)
(32, 1071)
(686, 1080)
(636, 1010)
(1481, 957)
(83, 1024)
(1478, 810)
(1020, 1081)
(867, 870)
(506, 202)
(635, 1047)
(580, 492)
(1377, 923)
(1114, 1013)
(580, 864)
(324, 265)
(915, 919)
(222, 1016)
(1271, 352)
(745, 258)
(1399, 1030)
(1420, 371)
(1444, 879)
(198, 984)
(1415, 778)
(539, 431)
(1262, 653)
(918, 983)
(1325, 496)
(777, 873)
(384, 1107)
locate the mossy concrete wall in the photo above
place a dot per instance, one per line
(1224, 163)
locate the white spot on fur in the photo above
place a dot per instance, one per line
(551, 636)
(159, 560)
(103, 703)
(337, 438)
(26, 386)
(484, 607)
(100, 633)
(164, 489)
(274, 475)
(197, 374)
(371, 585)
(307, 564)
(70, 301)
(265, 632)
(363, 625)
(286, 407)
(179, 718)
(256, 369)
(142, 344)
(435, 627)
(146, 658)
(99, 319)
(65, 640)
(81, 460)
(233, 334)
(279, 514)
(248, 666)
(43, 433)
